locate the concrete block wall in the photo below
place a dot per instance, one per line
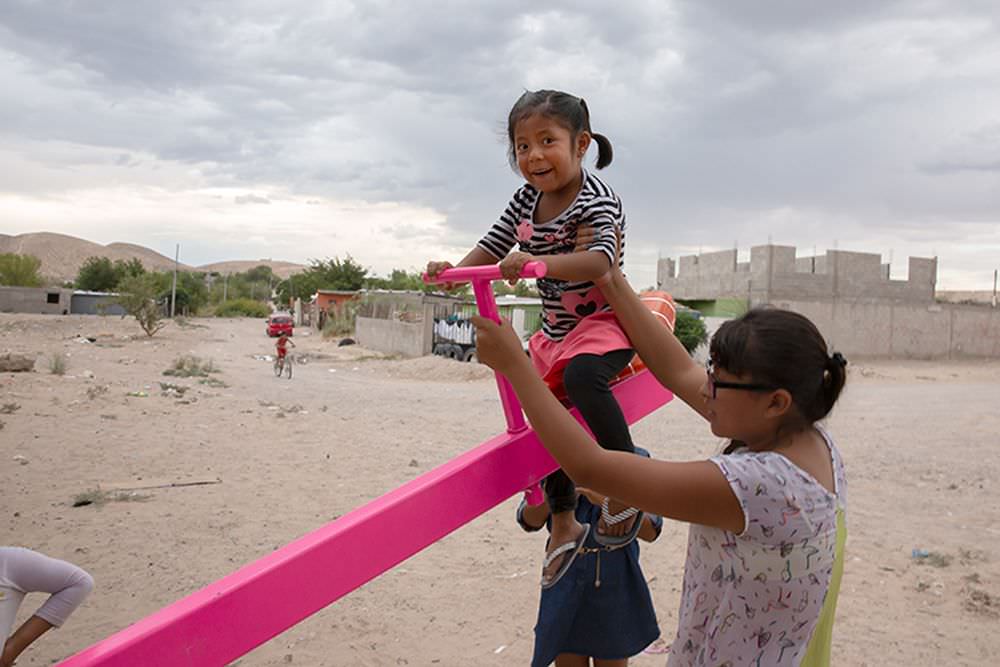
(805, 264)
(796, 286)
(774, 273)
(921, 332)
(922, 277)
(40, 300)
(408, 339)
(906, 331)
(975, 331)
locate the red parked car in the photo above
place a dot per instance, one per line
(279, 323)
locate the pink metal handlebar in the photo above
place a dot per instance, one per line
(465, 274)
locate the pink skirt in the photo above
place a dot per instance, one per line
(599, 333)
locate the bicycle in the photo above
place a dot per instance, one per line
(283, 365)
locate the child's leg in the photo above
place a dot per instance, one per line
(588, 384)
(572, 660)
(560, 495)
(588, 378)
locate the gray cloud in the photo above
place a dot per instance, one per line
(731, 121)
(251, 199)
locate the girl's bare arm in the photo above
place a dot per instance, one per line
(695, 492)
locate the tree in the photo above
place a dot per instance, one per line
(690, 330)
(126, 269)
(400, 279)
(298, 286)
(97, 274)
(137, 296)
(522, 288)
(20, 270)
(260, 273)
(331, 274)
(337, 274)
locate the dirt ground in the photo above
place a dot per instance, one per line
(920, 440)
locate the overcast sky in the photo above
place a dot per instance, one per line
(306, 129)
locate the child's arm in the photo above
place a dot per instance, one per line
(696, 492)
(475, 257)
(662, 353)
(659, 349)
(575, 267)
(535, 516)
(23, 637)
(648, 531)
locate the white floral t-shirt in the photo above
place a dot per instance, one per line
(754, 598)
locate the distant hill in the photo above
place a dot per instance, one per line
(280, 269)
(62, 256)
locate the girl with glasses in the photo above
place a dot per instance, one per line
(765, 545)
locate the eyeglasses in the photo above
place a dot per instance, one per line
(714, 384)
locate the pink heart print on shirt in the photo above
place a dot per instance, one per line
(525, 231)
(583, 304)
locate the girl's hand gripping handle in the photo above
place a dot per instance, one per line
(490, 272)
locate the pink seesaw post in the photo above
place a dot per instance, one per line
(482, 278)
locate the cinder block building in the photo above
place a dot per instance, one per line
(40, 300)
(849, 295)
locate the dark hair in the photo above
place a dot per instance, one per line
(568, 110)
(782, 349)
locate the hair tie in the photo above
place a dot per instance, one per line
(837, 359)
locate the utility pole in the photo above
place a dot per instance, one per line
(995, 287)
(173, 289)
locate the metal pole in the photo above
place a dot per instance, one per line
(995, 287)
(173, 289)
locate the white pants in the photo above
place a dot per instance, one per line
(23, 571)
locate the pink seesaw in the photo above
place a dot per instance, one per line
(234, 615)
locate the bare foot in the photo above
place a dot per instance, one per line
(565, 529)
(620, 528)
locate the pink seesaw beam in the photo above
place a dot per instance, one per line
(232, 616)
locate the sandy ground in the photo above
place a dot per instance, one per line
(920, 441)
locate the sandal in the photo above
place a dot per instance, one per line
(570, 550)
(619, 541)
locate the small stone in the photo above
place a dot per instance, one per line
(414, 463)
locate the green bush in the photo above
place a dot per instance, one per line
(341, 320)
(191, 366)
(20, 270)
(136, 295)
(242, 308)
(57, 363)
(690, 330)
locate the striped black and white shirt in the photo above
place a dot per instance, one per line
(564, 303)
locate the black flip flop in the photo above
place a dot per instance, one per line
(618, 541)
(573, 546)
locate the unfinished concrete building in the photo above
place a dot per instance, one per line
(849, 295)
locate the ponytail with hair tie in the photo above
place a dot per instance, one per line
(836, 360)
